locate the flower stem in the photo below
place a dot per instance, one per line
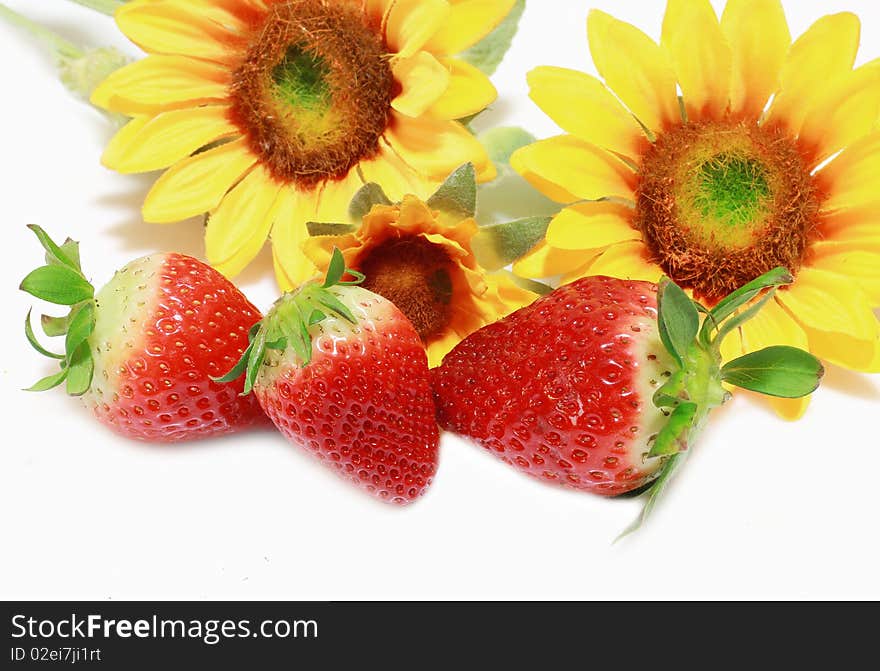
(62, 48)
(104, 6)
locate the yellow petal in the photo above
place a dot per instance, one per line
(732, 346)
(773, 325)
(469, 21)
(591, 226)
(171, 28)
(146, 144)
(851, 178)
(441, 345)
(396, 177)
(469, 91)
(627, 261)
(836, 316)
(328, 203)
(581, 105)
(435, 147)
(760, 39)
(843, 112)
(852, 224)
(576, 167)
(411, 23)
(546, 261)
(826, 51)
(857, 261)
(162, 82)
(197, 184)
(700, 55)
(423, 80)
(238, 228)
(636, 69)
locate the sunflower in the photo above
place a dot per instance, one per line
(769, 157)
(423, 262)
(267, 114)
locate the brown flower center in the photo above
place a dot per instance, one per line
(720, 203)
(414, 274)
(313, 93)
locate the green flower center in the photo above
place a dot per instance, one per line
(300, 81)
(720, 203)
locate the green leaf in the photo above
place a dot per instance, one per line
(654, 493)
(330, 301)
(457, 196)
(488, 53)
(57, 284)
(54, 253)
(316, 317)
(54, 326)
(368, 196)
(335, 269)
(317, 228)
(672, 438)
(677, 319)
(501, 142)
(727, 306)
(255, 360)
(671, 393)
(80, 370)
(82, 323)
(71, 251)
(50, 381)
(32, 339)
(735, 321)
(782, 371)
(497, 245)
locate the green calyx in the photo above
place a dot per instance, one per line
(289, 322)
(61, 281)
(693, 335)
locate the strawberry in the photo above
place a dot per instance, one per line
(141, 352)
(343, 373)
(593, 387)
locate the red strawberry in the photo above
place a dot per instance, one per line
(342, 372)
(590, 388)
(142, 351)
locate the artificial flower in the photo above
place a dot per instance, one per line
(424, 263)
(267, 114)
(768, 157)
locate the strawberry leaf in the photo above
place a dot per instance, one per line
(782, 371)
(677, 319)
(654, 492)
(57, 284)
(330, 301)
(50, 381)
(80, 370)
(254, 361)
(32, 339)
(335, 269)
(54, 326)
(457, 196)
(82, 323)
(54, 253)
(730, 304)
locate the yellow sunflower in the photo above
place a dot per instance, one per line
(271, 113)
(423, 262)
(769, 157)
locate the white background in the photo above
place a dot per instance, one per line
(764, 509)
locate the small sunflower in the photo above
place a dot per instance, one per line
(768, 158)
(271, 113)
(423, 261)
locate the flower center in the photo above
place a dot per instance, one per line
(313, 92)
(720, 203)
(414, 274)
